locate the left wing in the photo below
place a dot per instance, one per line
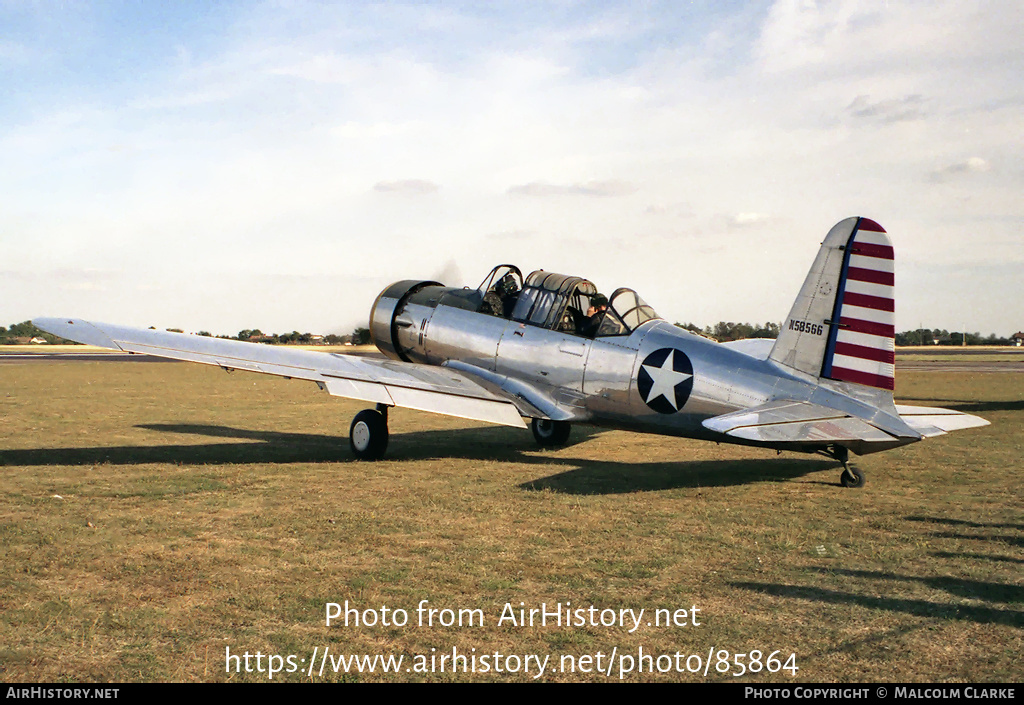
(437, 389)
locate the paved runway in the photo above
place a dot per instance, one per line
(960, 366)
(960, 350)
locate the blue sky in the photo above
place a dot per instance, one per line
(222, 166)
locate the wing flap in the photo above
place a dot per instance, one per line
(363, 391)
(442, 391)
(499, 412)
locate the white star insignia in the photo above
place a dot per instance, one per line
(664, 380)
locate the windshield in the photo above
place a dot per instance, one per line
(633, 310)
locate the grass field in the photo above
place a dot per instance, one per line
(154, 515)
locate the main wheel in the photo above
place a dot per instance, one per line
(548, 433)
(851, 476)
(368, 435)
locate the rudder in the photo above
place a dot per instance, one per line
(842, 324)
(862, 345)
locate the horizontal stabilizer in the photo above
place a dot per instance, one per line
(796, 422)
(932, 421)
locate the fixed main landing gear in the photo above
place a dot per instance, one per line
(550, 434)
(852, 476)
(368, 434)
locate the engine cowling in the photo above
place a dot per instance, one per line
(393, 331)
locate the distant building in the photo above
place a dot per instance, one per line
(1018, 338)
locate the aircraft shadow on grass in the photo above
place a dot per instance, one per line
(1010, 540)
(960, 587)
(963, 588)
(978, 557)
(918, 608)
(988, 538)
(485, 444)
(966, 522)
(604, 477)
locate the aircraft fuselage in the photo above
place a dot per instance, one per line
(659, 378)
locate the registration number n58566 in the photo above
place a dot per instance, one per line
(806, 327)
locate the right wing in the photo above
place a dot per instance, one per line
(436, 389)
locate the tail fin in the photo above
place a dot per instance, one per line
(842, 324)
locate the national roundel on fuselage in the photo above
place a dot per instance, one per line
(665, 380)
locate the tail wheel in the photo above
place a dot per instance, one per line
(368, 435)
(852, 476)
(550, 434)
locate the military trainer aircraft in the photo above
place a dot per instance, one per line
(552, 349)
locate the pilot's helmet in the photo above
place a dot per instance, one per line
(598, 300)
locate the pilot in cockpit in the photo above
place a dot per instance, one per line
(501, 299)
(595, 315)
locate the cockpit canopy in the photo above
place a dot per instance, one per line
(573, 305)
(548, 298)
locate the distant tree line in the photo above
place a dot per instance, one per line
(726, 331)
(723, 331)
(294, 338)
(360, 336)
(24, 332)
(923, 336)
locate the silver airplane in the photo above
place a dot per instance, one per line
(550, 348)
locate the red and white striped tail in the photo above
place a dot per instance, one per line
(861, 348)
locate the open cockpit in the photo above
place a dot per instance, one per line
(563, 303)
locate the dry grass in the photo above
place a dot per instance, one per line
(200, 511)
(22, 349)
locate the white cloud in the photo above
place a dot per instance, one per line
(408, 187)
(968, 166)
(906, 108)
(272, 152)
(590, 188)
(745, 219)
